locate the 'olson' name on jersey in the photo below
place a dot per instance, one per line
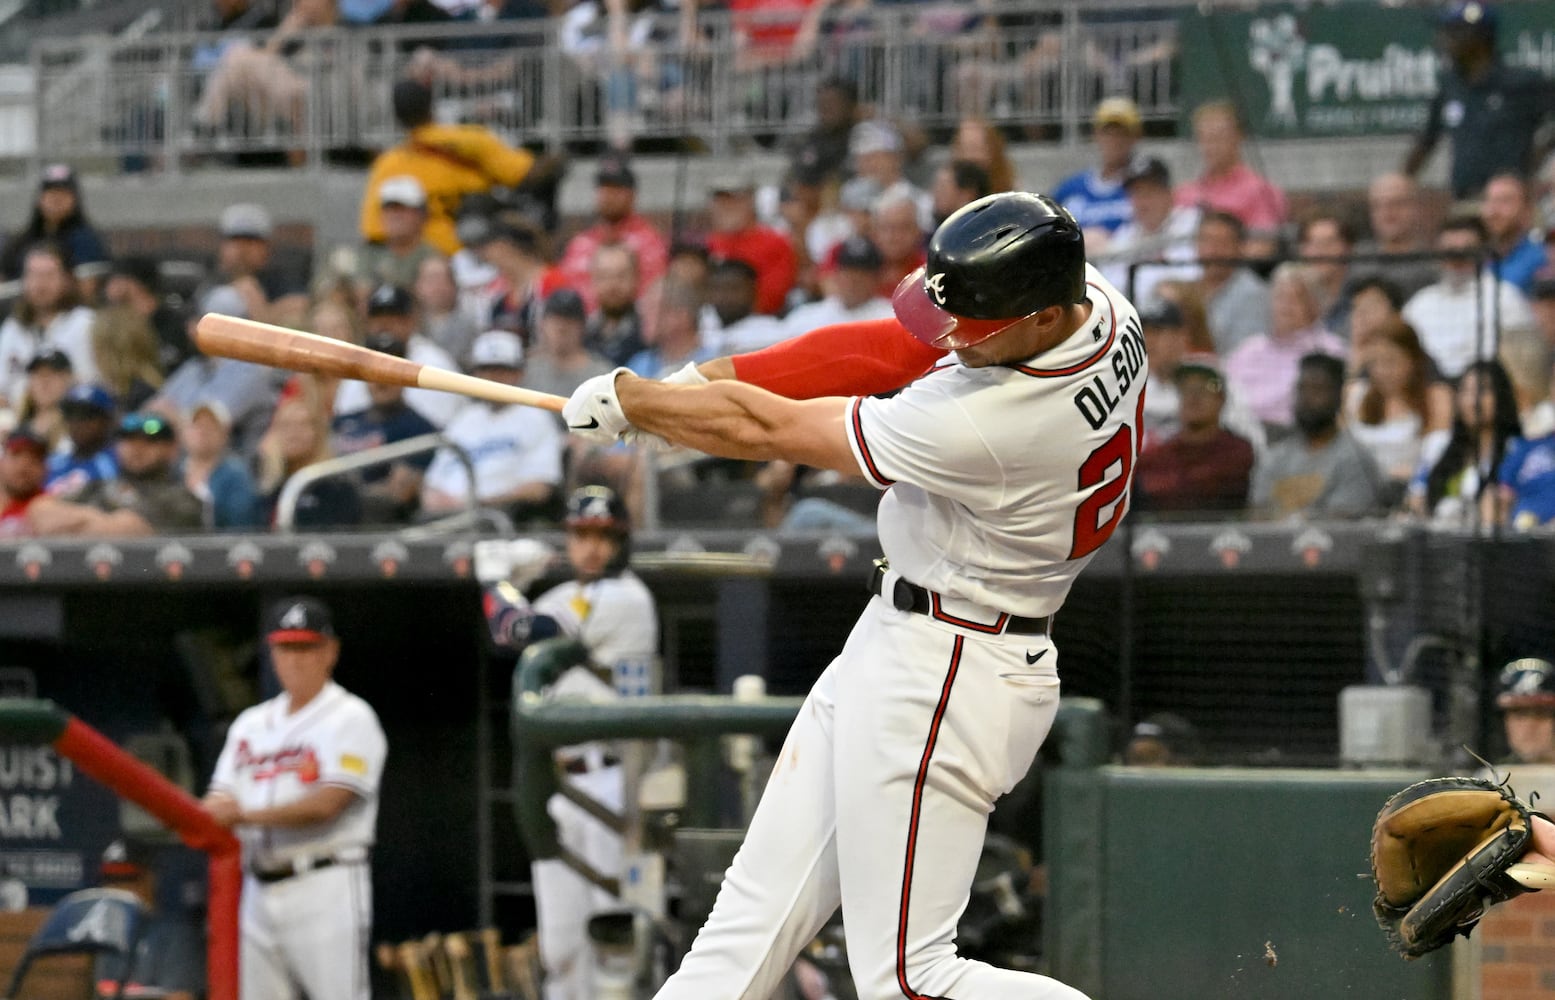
(1096, 399)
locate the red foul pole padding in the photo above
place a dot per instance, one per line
(110, 764)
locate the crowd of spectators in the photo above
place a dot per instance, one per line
(1384, 354)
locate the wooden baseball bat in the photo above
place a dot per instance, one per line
(280, 347)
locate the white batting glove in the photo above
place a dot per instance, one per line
(689, 375)
(594, 413)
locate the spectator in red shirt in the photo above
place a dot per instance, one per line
(1230, 185)
(617, 222)
(21, 479)
(1203, 466)
(737, 236)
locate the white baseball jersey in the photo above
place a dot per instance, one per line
(272, 758)
(1003, 482)
(509, 446)
(986, 500)
(615, 618)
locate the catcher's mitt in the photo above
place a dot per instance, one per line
(1444, 850)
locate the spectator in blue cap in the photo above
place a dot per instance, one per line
(1491, 110)
(88, 410)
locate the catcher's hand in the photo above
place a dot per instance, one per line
(1444, 850)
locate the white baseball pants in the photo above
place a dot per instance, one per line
(307, 932)
(565, 900)
(879, 802)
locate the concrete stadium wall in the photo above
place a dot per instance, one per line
(327, 200)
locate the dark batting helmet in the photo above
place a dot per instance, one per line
(1527, 683)
(991, 264)
(601, 507)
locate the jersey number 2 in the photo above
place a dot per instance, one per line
(1089, 531)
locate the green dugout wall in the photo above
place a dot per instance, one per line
(1232, 884)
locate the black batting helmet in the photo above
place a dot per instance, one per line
(1527, 683)
(993, 263)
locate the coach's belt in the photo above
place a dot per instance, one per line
(291, 869)
(908, 596)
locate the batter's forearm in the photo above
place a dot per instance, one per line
(725, 418)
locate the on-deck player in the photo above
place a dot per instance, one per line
(298, 781)
(1005, 470)
(611, 612)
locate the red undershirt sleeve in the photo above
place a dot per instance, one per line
(846, 359)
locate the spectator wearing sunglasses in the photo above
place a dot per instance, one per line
(146, 497)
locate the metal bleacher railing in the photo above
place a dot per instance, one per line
(1035, 65)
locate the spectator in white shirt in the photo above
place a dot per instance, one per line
(1462, 317)
(392, 310)
(49, 314)
(852, 291)
(516, 450)
(1159, 233)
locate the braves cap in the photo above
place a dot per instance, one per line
(124, 859)
(390, 300)
(497, 349)
(87, 399)
(300, 620)
(52, 358)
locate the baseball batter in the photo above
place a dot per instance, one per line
(1005, 470)
(607, 608)
(298, 781)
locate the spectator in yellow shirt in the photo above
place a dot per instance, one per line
(451, 162)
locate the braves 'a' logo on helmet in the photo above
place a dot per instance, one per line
(935, 283)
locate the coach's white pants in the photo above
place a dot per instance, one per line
(879, 802)
(565, 900)
(307, 932)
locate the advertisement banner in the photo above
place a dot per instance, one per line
(1348, 70)
(53, 823)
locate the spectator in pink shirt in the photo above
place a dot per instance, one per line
(1229, 185)
(1262, 369)
(615, 205)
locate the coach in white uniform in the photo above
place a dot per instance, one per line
(298, 781)
(1005, 469)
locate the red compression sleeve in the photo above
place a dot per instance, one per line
(846, 359)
